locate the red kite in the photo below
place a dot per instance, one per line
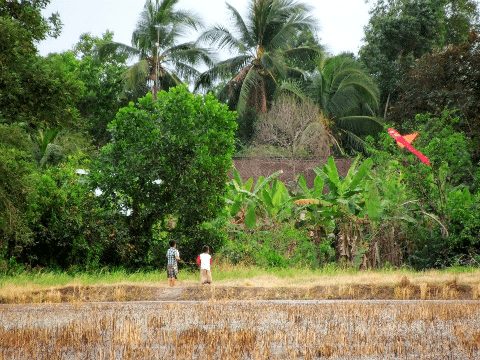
(409, 138)
(405, 141)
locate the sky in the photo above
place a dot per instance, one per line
(341, 22)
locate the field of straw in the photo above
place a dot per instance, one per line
(242, 330)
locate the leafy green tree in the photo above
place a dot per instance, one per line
(16, 166)
(163, 61)
(440, 80)
(440, 197)
(104, 83)
(33, 90)
(59, 214)
(167, 158)
(400, 31)
(27, 15)
(266, 40)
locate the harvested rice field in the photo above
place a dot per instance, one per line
(299, 329)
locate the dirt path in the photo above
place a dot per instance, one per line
(168, 294)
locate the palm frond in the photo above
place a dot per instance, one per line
(222, 38)
(252, 81)
(222, 70)
(352, 141)
(360, 125)
(274, 64)
(304, 51)
(190, 19)
(245, 37)
(291, 87)
(137, 74)
(185, 71)
(168, 80)
(112, 47)
(189, 53)
(283, 37)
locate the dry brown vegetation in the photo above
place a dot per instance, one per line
(298, 128)
(242, 330)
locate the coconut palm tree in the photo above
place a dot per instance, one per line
(162, 60)
(262, 42)
(348, 97)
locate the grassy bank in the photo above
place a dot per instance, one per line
(328, 282)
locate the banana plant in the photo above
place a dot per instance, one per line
(343, 195)
(246, 200)
(276, 200)
(346, 193)
(336, 204)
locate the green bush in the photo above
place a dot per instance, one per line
(277, 247)
(61, 213)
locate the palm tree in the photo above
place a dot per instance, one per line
(263, 43)
(348, 97)
(162, 60)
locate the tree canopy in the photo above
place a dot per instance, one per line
(400, 31)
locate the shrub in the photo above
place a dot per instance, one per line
(277, 247)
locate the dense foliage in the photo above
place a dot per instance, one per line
(444, 79)
(94, 173)
(401, 31)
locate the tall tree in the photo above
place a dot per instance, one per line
(16, 166)
(400, 31)
(163, 61)
(173, 167)
(347, 96)
(104, 82)
(33, 90)
(27, 14)
(263, 42)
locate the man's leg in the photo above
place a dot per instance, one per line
(171, 275)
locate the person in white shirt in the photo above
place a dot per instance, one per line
(204, 260)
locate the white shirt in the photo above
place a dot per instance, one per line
(205, 261)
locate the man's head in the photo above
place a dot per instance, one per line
(206, 249)
(172, 243)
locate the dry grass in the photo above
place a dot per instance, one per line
(242, 330)
(251, 283)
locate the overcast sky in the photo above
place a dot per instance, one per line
(341, 22)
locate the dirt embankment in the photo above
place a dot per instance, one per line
(403, 290)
